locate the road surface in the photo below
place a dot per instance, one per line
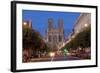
(62, 58)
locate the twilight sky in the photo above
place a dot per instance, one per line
(40, 20)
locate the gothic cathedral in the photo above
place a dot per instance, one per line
(54, 36)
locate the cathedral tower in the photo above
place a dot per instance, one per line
(60, 29)
(54, 36)
(50, 24)
(60, 24)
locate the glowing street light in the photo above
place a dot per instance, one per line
(52, 54)
(25, 23)
(85, 25)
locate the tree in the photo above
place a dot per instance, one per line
(33, 40)
(82, 39)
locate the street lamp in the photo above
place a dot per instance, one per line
(52, 54)
(25, 23)
(85, 25)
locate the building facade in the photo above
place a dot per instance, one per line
(83, 21)
(54, 36)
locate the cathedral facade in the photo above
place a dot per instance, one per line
(54, 36)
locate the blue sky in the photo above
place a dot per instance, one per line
(40, 20)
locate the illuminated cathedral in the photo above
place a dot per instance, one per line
(54, 36)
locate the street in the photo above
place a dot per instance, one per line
(64, 58)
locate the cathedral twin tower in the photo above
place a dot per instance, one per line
(54, 36)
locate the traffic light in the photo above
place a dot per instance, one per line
(65, 51)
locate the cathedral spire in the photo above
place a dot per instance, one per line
(50, 23)
(60, 24)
